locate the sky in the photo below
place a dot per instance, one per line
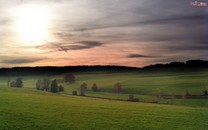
(101, 32)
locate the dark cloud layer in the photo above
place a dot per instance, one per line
(71, 46)
(140, 56)
(16, 61)
(179, 19)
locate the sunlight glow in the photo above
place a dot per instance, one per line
(32, 24)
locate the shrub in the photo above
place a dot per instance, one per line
(13, 84)
(94, 87)
(74, 92)
(61, 88)
(154, 101)
(132, 99)
(205, 93)
(187, 93)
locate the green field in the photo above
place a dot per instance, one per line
(28, 108)
(145, 86)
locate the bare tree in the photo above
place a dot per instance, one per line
(83, 88)
(118, 87)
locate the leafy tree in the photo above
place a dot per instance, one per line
(19, 83)
(94, 87)
(69, 78)
(13, 84)
(83, 88)
(54, 86)
(43, 84)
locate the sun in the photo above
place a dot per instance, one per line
(32, 24)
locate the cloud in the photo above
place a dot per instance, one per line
(140, 56)
(190, 19)
(71, 46)
(15, 61)
(85, 45)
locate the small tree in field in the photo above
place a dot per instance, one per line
(13, 84)
(54, 86)
(83, 88)
(74, 92)
(69, 78)
(43, 84)
(205, 93)
(38, 84)
(118, 87)
(61, 88)
(19, 83)
(94, 87)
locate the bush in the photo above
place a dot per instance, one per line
(154, 101)
(132, 99)
(61, 88)
(74, 92)
(94, 87)
(13, 84)
(205, 93)
(187, 93)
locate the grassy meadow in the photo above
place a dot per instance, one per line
(28, 108)
(145, 86)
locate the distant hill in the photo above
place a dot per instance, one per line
(55, 70)
(188, 64)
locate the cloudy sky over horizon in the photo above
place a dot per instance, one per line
(101, 32)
